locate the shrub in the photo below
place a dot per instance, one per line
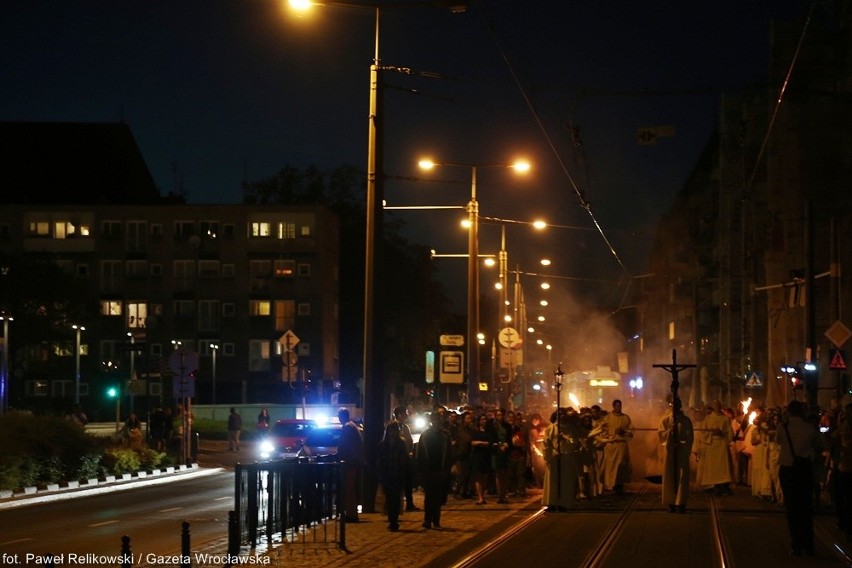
(43, 449)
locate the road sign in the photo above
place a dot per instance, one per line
(430, 367)
(183, 362)
(452, 340)
(290, 358)
(838, 333)
(509, 337)
(183, 388)
(451, 371)
(754, 381)
(837, 360)
(288, 340)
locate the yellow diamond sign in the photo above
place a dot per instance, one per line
(838, 333)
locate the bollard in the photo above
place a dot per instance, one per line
(233, 534)
(126, 555)
(184, 546)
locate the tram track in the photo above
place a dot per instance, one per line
(636, 530)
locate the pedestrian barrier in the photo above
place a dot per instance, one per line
(296, 500)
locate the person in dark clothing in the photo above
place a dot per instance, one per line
(481, 440)
(235, 426)
(433, 459)
(391, 463)
(350, 450)
(400, 415)
(797, 441)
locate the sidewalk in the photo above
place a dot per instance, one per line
(466, 527)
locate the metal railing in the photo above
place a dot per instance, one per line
(296, 500)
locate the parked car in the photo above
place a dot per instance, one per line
(285, 438)
(322, 441)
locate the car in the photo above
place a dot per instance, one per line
(322, 441)
(285, 438)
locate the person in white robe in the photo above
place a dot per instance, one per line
(677, 436)
(618, 431)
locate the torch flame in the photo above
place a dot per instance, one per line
(746, 404)
(574, 400)
(752, 416)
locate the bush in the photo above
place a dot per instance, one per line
(39, 450)
(43, 449)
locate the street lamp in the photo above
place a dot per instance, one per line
(78, 328)
(473, 265)
(214, 348)
(4, 378)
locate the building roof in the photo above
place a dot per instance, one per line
(72, 163)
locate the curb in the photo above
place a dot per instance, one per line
(82, 488)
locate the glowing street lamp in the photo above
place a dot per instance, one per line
(4, 378)
(214, 348)
(78, 328)
(473, 265)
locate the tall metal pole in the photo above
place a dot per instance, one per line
(215, 348)
(79, 328)
(4, 379)
(130, 391)
(473, 292)
(503, 263)
(373, 389)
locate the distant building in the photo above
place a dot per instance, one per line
(250, 279)
(746, 268)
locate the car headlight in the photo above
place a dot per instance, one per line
(266, 448)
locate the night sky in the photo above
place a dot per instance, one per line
(217, 92)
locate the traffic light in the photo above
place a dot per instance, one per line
(112, 392)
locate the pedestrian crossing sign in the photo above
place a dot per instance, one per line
(753, 381)
(837, 360)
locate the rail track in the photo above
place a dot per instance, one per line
(636, 530)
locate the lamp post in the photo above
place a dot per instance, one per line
(78, 328)
(214, 347)
(4, 378)
(473, 266)
(558, 375)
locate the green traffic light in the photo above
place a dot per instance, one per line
(112, 392)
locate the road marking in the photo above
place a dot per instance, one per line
(223, 498)
(8, 542)
(170, 510)
(112, 522)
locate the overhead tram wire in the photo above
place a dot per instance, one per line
(583, 202)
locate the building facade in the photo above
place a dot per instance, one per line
(247, 294)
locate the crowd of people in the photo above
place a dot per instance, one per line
(794, 457)
(491, 454)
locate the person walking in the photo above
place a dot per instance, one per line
(481, 440)
(843, 481)
(461, 465)
(617, 467)
(433, 459)
(392, 459)
(562, 442)
(677, 436)
(518, 457)
(714, 467)
(235, 426)
(350, 450)
(263, 421)
(400, 415)
(500, 455)
(796, 439)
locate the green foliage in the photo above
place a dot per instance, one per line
(40, 450)
(210, 429)
(117, 461)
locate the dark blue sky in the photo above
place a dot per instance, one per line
(218, 91)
